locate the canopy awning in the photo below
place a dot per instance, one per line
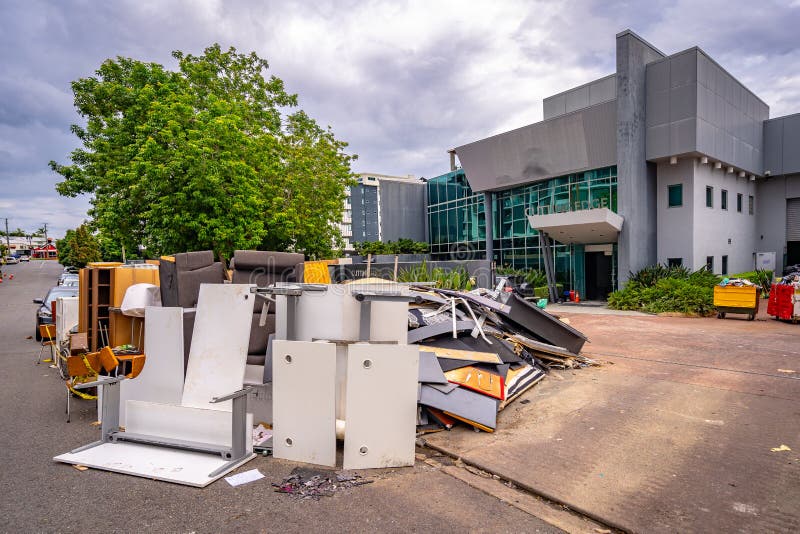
(592, 226)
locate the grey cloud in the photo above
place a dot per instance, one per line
(405, 104)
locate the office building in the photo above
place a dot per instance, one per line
(668, 160)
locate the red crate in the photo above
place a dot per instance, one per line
(780, 301)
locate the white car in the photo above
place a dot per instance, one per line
(11, 260)
(24, 258)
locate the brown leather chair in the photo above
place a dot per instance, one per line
(264, 268)
(180, 277)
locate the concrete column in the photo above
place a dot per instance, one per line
(488, 204)
(636, 178)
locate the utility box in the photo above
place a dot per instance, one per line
(765, 261)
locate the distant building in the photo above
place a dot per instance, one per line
(670, 159)
(23, 246)
(45, 252)
(384, 208)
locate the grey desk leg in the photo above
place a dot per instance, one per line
(291, 318)
(110, 410)
(366, 319)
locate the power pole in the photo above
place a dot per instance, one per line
(8, 240)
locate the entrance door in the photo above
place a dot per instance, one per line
(792, 252)
(598, 276)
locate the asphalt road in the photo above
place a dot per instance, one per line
(39, 495)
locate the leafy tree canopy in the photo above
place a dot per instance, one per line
(211, 156)
(78, 247)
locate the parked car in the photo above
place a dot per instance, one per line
(65, 277)
(10, 260)
(43, 313)
(24, 257)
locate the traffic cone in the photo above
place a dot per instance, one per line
(11, 277)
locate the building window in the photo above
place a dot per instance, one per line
(710, 264)
(724, 264)
(675, 194)
(724, 199)
(739, 202)
(709, 196)
(674, 262)
(750, 202)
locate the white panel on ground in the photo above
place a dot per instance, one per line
(381, 405)
(161, 380)
(160, 463)
(218, 354)
(304, 401)
(179, 422)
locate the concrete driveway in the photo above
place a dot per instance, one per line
(673, 434)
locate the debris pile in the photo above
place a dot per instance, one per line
(480, 350)
(304, 483)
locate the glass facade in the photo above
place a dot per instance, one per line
(456, 218)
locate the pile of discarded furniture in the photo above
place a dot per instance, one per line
(370, 363)
(481, 350)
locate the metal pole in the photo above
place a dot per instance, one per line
(8, 241)
(488, 216)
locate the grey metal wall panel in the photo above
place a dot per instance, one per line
(403, 210)
(569, 143)
(577, 99)
(657, 108)
(554, 106)
(793, 219)
(791, 144)
(583, 96)
(683, 69)
(603, 90)
(723, 108)
(683, 102)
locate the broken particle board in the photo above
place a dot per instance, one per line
(465, 355)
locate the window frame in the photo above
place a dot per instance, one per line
(669, 195)
(674, 262)
(751, 204)
(724, 264)
(710, 264)
(723, 199)
(739, 202)
(709, 196)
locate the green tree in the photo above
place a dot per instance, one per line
(207, 156)
(78, 247)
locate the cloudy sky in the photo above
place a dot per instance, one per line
(400, 81)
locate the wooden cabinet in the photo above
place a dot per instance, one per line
(123, 329)
(101, 290)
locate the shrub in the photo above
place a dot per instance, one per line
(452, 279)
(659, 289)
